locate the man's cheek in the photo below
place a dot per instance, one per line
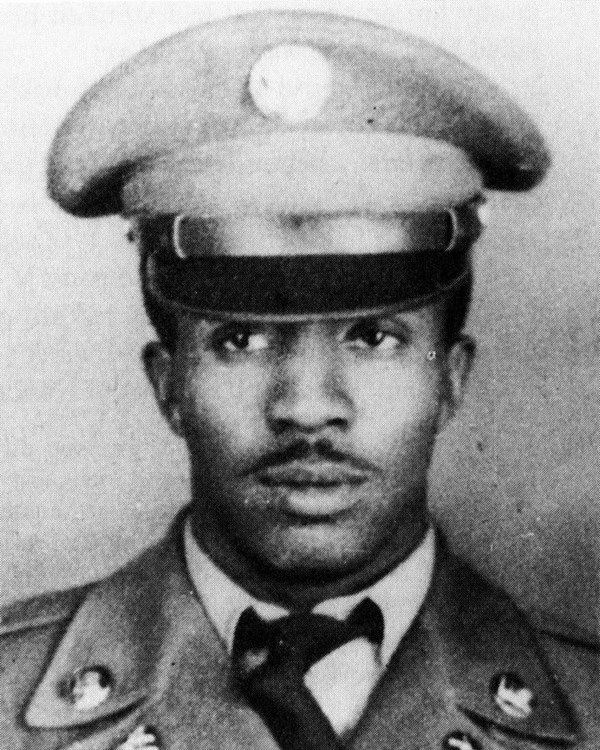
(221, 436)
(398, 418)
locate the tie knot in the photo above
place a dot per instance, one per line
(299, 640)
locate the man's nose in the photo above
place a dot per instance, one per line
(309, 392)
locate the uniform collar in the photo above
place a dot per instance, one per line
(147, 628)
(400, 594)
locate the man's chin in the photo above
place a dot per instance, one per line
(310, 550)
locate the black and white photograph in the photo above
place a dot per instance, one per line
(299, 436)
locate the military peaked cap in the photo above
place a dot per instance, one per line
(295, 114)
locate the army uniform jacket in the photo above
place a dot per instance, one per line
(145, 628)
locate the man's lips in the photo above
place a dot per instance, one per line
(314, 490)
(319, 473)
(312, 483)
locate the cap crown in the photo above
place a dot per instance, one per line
(181, 124)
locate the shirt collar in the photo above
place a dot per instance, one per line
(399, 594)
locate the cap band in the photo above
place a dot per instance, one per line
(189, 237)
(183, 265)
(194, 237)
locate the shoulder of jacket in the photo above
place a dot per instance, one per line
(56, 606)
(549, 627)
(39, 611)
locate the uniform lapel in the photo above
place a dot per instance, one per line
(147, 629)
(195, 704)
(441, 679)
(413, 706)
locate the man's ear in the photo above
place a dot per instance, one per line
(158, 364)
(459, 361)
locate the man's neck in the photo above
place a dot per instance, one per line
(303, 592)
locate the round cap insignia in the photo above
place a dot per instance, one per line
(291, 81)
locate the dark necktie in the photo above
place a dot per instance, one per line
(271, 658)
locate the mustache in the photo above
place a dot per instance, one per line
(305, 450)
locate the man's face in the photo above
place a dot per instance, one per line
(310, 442)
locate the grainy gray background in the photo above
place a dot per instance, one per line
(89, 474)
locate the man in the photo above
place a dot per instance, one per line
(305, 191)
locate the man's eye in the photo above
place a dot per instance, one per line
(240, 340)
(371, 336)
